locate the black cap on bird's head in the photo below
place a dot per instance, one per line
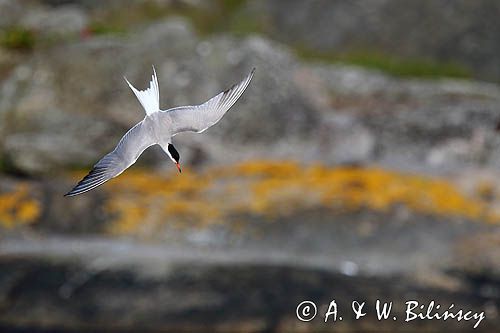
(174, 155)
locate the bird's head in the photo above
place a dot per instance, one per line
(174, 156)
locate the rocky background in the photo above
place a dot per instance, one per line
(361, 164)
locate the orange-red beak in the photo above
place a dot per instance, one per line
(178, 167)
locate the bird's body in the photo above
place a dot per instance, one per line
(158, 127)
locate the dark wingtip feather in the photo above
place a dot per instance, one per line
(94, 179)
(72, 192)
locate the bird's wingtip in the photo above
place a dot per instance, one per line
(71, 193)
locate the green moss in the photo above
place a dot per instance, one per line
(3, 165)
(222, 16)
(7, 166)
(213, 18)
(405, 67)
(17, 38)
(231, 5)
(99, 28)
(241, 24)
(120, 19)
(408, 67)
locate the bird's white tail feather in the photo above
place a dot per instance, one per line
(149, 98)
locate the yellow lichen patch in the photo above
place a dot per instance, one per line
(275, 169)
(142, 201)
(17, 207)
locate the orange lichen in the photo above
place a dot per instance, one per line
(277, 189)
(17, 207)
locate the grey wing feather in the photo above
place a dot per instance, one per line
(198, 118)
(130, 147)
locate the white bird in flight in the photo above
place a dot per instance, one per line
(158, 127)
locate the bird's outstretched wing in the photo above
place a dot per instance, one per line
(198, 118)
(128, 150)
(150, 97)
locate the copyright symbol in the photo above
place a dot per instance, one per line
(306, 311)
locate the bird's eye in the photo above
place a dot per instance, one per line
(174, 153)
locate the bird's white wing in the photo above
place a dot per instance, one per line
(198, 118)
(128, 150)
(149, 98)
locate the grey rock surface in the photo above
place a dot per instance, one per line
(457, 31)
(63, 21)
(244, 282)
(69, 105)
(132, 255)
(11, 12)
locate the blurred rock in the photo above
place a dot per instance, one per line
(72, 97)
(459, 31)
(247, 281)
(61, 21)
(11, 11)
(64, 101)
(294, 195)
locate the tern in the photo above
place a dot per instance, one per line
(157, 128)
